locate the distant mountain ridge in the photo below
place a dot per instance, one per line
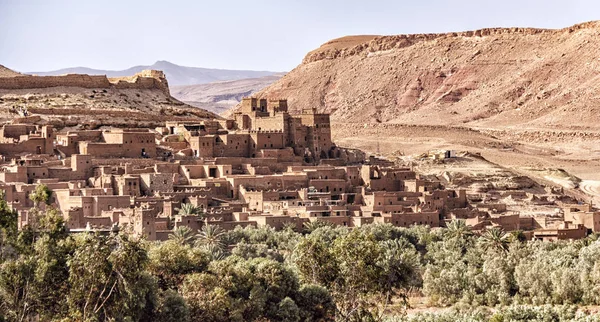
(219, 97)
(177, 75)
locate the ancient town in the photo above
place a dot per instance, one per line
(264, 166)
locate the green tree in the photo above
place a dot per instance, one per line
(33, 279)
(188, 209)
(458, 229)
(358, 271)
(171, 308)
(182, 235)
(210, 238)
(494, 239)
(107, 279)
(315, 303)
(41, 194)
(171, 261)
(311, 226)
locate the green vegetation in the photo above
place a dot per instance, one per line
(259, 274)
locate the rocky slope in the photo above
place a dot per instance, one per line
(6, 72)
(84, 101)
(219, 97)
(489, 78)
(177, 75)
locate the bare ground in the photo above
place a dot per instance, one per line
(571, 162)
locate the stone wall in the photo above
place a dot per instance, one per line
(147, 79)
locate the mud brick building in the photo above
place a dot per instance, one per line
(263, 167)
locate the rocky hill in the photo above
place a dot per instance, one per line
(219, 97)
(88, 101)
(177, 75)
(6, 72)
(489, 78)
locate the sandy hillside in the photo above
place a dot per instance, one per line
(490, 78)
(6, 72)
(110, 104)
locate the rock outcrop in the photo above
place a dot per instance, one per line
(488, 78)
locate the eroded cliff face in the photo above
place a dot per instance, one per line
(496, 77)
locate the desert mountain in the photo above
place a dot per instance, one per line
(177, 75)
(218, 97)
(91, 101)
(497, 77)
(6, 72)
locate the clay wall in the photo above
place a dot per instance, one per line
(102, 150)
(16, 174)
(128, 186)
(65, 174)
(166, 168)
(72, 80)
(266, 140)
(335, 186)
(507, 222)
(153, 182)
(278, 222)
(323, 172)
(345, 221)
(232, 145)
(109, 202)
(16, 130)
(409, 219)
(286, 182)
(203, 146)
(590, 220)
(146, 79)
(34, 145)
(34, 173)
(272, 123)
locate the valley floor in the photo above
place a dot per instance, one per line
(568, 159)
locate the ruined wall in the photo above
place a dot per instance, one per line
(147, 79)
(32, 145)
(72, 80)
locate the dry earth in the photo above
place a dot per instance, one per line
(569, 162)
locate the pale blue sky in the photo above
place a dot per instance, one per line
(42, 35)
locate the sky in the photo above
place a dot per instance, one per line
(44, 35)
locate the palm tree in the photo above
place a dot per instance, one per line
(182, 235)
(458, 229)
(210, 238)
(311, 226)
(494, 239)
(516, 236)
(188, 209)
